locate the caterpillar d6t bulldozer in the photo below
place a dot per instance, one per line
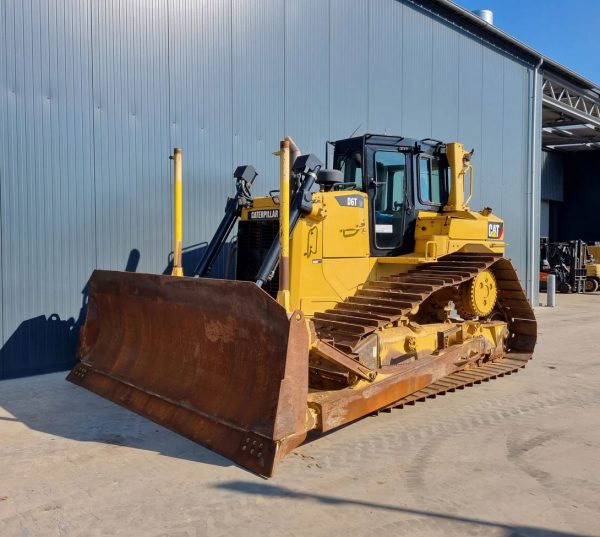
(360, 288)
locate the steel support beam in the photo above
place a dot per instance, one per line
(566, 101)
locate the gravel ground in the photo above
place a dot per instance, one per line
(519, 456)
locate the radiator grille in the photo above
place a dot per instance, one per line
(254, 240)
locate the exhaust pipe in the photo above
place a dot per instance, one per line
(294, 151)
(460, 165)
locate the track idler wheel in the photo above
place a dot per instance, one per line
(477, 297)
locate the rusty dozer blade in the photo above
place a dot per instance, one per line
(217, 361)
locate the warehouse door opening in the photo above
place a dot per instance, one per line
(570, 163)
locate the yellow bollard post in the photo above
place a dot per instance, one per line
(283, 296)
(177, 211)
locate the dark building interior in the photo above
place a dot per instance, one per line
(570, 163)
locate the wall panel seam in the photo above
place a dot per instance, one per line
(231, 82)
(3, 178)
(93, 103)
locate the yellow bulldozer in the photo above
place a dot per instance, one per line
(359, 288)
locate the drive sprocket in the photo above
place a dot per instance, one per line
(477, 297)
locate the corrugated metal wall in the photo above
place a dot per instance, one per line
(47, 180)
(94, 96)
(553, 175)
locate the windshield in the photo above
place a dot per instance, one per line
(433, 182)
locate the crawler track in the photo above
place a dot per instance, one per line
(382, 302)
(465, 379)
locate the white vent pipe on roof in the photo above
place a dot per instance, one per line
(485, 14)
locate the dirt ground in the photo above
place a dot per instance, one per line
(518, 456)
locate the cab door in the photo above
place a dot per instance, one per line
(345, 230)
(392, 215)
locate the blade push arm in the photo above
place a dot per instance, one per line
(244, 176)
(306, 167)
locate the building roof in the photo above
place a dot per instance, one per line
(570, 102)
(465, 16)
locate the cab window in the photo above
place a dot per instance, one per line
(433, 183)
(390, 198)
(350, 164)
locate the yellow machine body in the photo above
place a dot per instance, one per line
(345, 333)
(330, 248)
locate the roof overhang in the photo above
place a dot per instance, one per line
(570, 118)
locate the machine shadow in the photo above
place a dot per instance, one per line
(45, 344)
(276, 491)
(51, 405)
(41, 345)
(224, 266)
(48, 343)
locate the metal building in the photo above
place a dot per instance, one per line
(94, 96)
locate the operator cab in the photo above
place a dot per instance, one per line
(401, 176)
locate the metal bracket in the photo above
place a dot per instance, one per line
(330, 353)
(444, 336)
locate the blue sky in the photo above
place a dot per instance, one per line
(565, 30)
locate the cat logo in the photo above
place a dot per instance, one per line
(495, 230)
